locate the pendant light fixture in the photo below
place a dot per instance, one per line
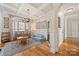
(28, 19)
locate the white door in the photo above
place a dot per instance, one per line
(69, 27)
(74, 28)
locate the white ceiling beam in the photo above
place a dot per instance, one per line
(19, 9)
(41, 7)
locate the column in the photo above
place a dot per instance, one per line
(54, 41)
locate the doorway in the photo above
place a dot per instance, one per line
(71, 42)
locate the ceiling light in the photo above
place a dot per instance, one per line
(70, 10)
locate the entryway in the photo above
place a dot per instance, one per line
(71, 39)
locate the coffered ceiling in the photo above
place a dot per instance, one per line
(37, 11)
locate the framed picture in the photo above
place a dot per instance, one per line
(59, 25)
(6, 22)
(42, 25)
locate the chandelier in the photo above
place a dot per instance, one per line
(28, 19)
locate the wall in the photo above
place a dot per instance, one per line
(65, 27)
(78, 25)
(4, 29)
(0, 27)
(41, 28)
(53, 29)
(2, 15)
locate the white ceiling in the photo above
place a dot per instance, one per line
(37, 11)
(66, 6)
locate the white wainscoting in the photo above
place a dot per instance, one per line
(42, 31)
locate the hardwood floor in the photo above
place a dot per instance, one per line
(70, 47)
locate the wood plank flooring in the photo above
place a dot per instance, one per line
(70, 47)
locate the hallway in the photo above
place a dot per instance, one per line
(70, 47)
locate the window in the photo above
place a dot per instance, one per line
(20, 26)
(33, 26)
